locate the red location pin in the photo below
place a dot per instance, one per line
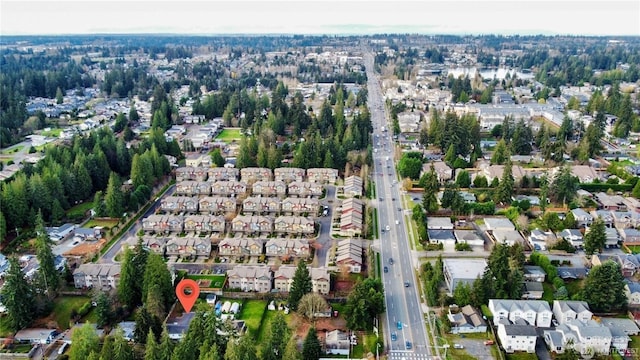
(187, 292)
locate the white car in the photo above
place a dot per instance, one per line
(387, 228)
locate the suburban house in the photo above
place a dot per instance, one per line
(351, 219)
(289, 174)
(35, 335)
(532, 290)
(252, 224)
(534, 312)
(583, 218)
(509, 237)
(98, 276)
(188, 247)
(287, 248)
(458, 271)
(567, 311)
(322, 175)
(61, 232)
(261, 205)
(517, 337)
(540, 240)
(586, 337)
(586, 173)
(305, 189)
(633, 204)
(203, 188)
(629, 263)
(269, 188)
(353, 186)
(445, 237)
(294, 225)
(216, 205)
(337, 342)
(152, 243)
(191, 173)
(223, 174)
(228, 188)
(620, 330)
(240, 246)
(442, 170)
(439, 223)
(534, 273)
(250, 278)
(613, 237)
(495, 171)
(610, 202)
(467, 320)
(605, 215)
(250, 175)
(349, 254)
(573, 236)
(187, 187)
(204, 223)
(630, 236)
(197, 160)
(632, 290)
(320, 279)
(499, 223)
(163, 223)
(292, 205)
(470, 237)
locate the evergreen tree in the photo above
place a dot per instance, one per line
(216, 157)
(151, 349)
(431, 187)
(122, 350)
(157, 275)
(18, 297)
(3, 227)
(84, 341)
(505, 188)
(114, 199)
(243, 349)
(500, 154)
(103, 310)
(596, 237)
(291, 352)
(603, 288)
(166, 346)
(145, 323)
(277, 338)
(564, 186)
(131, 273)
(311, 349)
(49, 276)
(300, 286)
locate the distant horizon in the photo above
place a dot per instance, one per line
(321, 17)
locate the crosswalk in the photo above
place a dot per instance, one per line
(410, 355)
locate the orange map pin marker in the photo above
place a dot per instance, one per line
(187, 292)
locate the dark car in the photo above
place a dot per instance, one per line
(391, 261)
(406, 284)
(386, 269)
(408, 344)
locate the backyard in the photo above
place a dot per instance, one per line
(230, 135)
(214, 281)
(61, 315)
(252, 313)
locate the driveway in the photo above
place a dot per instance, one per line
(324, 236)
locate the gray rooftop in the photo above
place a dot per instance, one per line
(465, 268)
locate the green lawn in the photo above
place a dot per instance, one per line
(522, 356)
(547, 295)
(635, 249)
(252, 313)
(216, 280)
(52, 133)
(78, 211)
(4, 327)
(266, 323)
(104, 223)
(62, 309)
(12, 150)
(229, 135)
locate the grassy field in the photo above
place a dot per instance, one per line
(104, 223)
(635, 249)
(252, 312)
(521, 356)
(12, 150)
(78, 211)
(216, 280)
(52, 133)
(266, 324)
(62, 309)
(230, 135)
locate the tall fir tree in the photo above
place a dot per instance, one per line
(300, 286)
(311, 349)
(18, 297)
(48, 275)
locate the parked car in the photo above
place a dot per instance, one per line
(489, 342)
(458, 346)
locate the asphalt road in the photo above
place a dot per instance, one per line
(109, 256)
(404, 316)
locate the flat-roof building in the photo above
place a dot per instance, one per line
(462, 270)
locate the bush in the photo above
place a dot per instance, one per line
(563, 244)
(463, 246)
(84, 309)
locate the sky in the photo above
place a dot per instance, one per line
(209, 17)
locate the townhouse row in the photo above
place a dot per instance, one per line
(574, 327)
(236, 188)
(253, 204)
(253, 174)
(262, 279)
(248, 224)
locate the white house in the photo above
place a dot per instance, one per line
(517, 337)
(535, 312)
(632, 290)
(567, 311)
(585, 337)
